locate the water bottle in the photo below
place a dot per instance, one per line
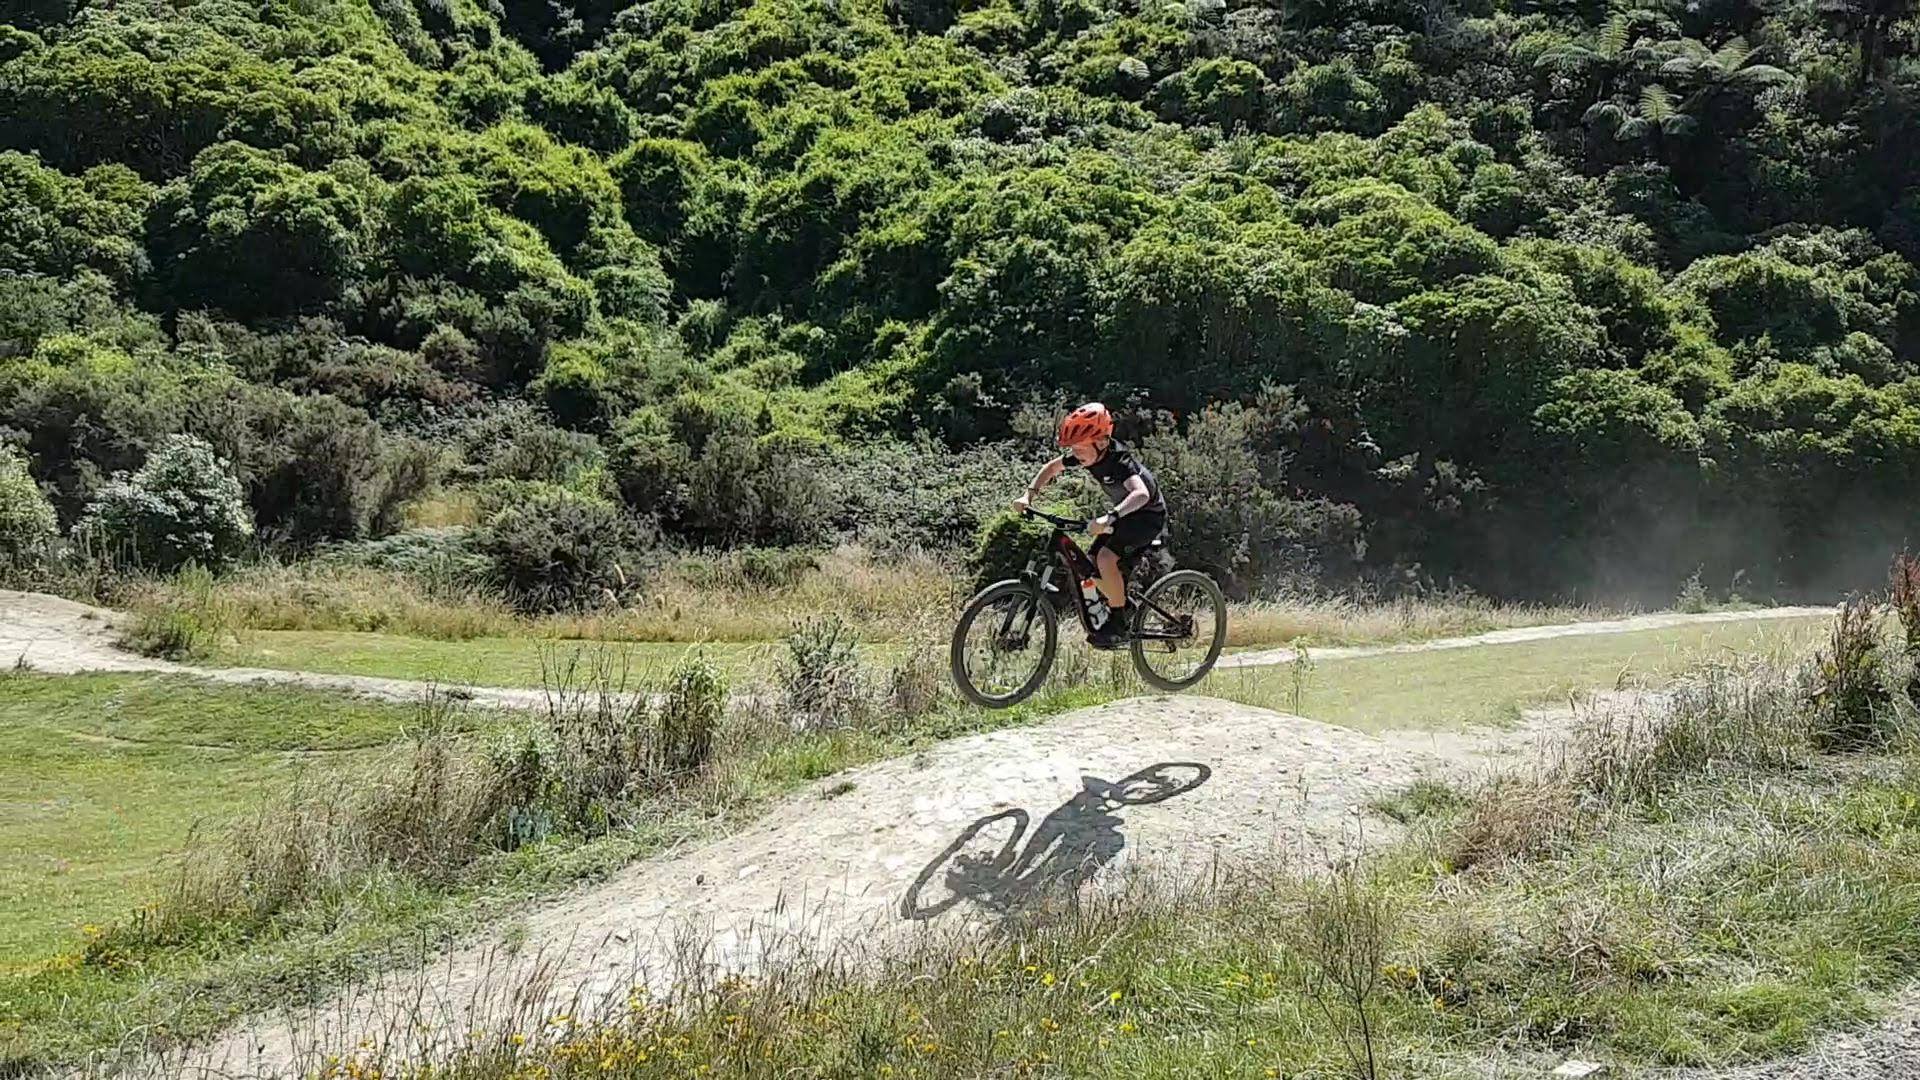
(1096, 604)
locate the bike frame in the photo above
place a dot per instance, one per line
(1068, 556)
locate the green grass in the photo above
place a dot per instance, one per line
(105, 775)
(494, 661)
(1451, 688)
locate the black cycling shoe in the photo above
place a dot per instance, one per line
(1110, 636)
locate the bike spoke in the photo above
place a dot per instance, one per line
(1003, 647)
(1180, 624)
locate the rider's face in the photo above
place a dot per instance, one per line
(1086, 453)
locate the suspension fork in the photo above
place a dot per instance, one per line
(1039, 583)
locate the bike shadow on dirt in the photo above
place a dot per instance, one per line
(988, 865)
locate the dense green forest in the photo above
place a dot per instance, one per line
(1537, 297)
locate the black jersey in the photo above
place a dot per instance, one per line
(1113, 469)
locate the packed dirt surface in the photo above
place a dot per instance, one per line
(61, 637)
(866, 860)
(1264, 657)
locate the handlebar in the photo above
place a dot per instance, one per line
(1069, 524)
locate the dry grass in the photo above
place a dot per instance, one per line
(725, 598)
(1341, 620)
(752, 596)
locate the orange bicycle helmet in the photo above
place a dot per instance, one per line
(1085, 424)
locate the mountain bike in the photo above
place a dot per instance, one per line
(1009, 633)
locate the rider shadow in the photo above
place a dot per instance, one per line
(1069, 846)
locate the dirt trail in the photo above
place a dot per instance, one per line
(61, 637)
(836, 866)
(1664, 620)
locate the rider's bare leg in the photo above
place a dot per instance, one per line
(1112, 585)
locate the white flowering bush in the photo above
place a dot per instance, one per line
(183, 506)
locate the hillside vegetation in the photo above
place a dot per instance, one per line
(1534, 296)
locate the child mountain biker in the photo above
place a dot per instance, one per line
(1139, 514)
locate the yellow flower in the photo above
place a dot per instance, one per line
(518, 1039)
(1127, 1028)
(1047, 979)
(1115, 996)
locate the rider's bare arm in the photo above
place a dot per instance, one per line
(1137, 497)
(1047, 474)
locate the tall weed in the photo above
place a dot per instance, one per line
(1852, 696)
(820, 677)
(197, 618)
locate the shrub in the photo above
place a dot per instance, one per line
(329, 473)
(184, 505)
(28, 527)
(743, 489)
(1693, 597)
(922, 495)
(438, 556)
(1224, 473)
(1904, 594)
(559, 552)
(1006, 545)
(515, 442)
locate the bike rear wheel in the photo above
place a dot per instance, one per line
(1179, 630)
(1004, 644)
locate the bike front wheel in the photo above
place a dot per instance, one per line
(1179, 630)
(1004, 644)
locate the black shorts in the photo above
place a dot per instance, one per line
(1131, 534)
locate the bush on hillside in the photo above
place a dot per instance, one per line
(1006, 544)
(28, 527)
(434, 555)
(557, 552)
(183, 506)
(1234, 512)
